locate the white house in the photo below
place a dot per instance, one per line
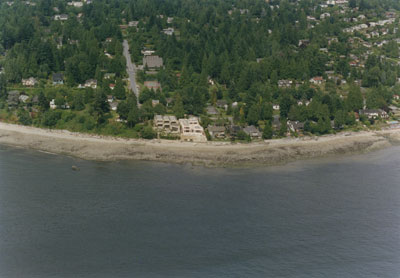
(29, 82)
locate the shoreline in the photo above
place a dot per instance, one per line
(211, 154)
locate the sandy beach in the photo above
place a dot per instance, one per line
(269, 152)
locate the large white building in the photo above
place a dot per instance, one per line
(191, 130)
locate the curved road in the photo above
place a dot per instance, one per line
(130, 69)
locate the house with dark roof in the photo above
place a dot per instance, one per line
(295, 126)
(211, 110)
(13, 98)
(58, 79)
(252, 131)
(216, 131)
(276, 121)
(234, 130)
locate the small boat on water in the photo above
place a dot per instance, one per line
(75, 168)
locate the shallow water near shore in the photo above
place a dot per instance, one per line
(336, 217)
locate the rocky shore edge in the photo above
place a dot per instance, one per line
(212, 154)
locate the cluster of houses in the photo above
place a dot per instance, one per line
(152, 63)
(191, 130)
(364, 26)
(15, 97)
(188, 129)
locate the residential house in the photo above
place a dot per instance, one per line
(53, 104)
(108, 55)
(23, 98)
(330, 74)
(222, 104)
(211, 110)
(61, 17)
(133, 23)
(276, 121)
(155, 102)
(304, 43)
(109, 75)
(111, 86)
(361, 17)
(191, 130)
(169, 101)
(58, 79)
(13, 98)
(332, 40)
(148, 52)
(325, 15)
(394, 110)
(152, 61)
(353, 63)
(30, 82)
(374, 113)
(216, 132)
(110, 98)
(390, 14)
(166, 124)
(114, 106)
(285, 83)
(169, 31)
(252, 131)
(295, 126)
(76, 4)
(91, 83)
(35, 100)
(234, 130)
(275, 106)
(318, 80)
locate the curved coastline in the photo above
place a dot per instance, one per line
(219, 154)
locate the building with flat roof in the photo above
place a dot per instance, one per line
(166, 124)
(191, 130)
(152, 61)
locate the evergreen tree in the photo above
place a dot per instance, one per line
(283, 129)
(253, 115)
(267, 132)
(354, 100)
(119, 90)
(178, 109)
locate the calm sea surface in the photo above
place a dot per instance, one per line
(324, 218)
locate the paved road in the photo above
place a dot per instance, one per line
(130, 69)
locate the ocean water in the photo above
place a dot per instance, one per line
(321, 218)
